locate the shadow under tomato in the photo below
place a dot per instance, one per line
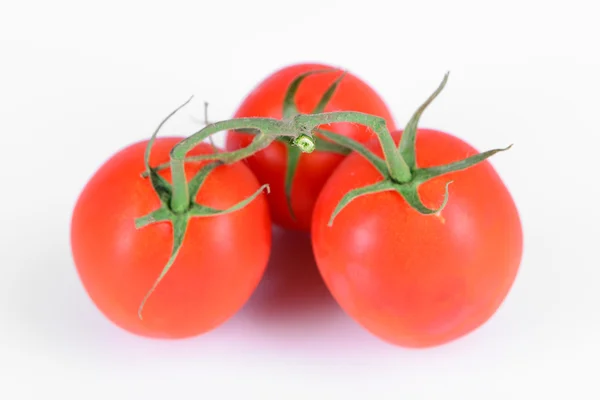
(292, 310)
(292, 290)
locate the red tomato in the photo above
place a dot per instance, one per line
(269, 165)
(416, 280)
(218, 267)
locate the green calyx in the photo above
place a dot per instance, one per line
(177, 199)
(179, 218)
(399, 168)
(295, 145)
(301, 144)
(305, 143)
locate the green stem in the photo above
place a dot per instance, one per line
(300, 127)
(259, 142)
(397, 168)
(180, 200)
(293, 158)
(351, 144)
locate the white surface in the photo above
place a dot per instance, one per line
(79, 80)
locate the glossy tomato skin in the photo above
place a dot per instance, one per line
(220, 264)
(269, 165)
(414, 280)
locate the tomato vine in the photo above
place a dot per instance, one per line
(398, 166)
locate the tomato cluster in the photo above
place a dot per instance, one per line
(175, 252)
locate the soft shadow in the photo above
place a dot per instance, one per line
(292, 307)
(292, 287)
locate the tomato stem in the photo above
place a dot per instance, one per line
(300, 128)
(354, 145)
(289, 111)
(293, 158)
(295, 146)
(406, 184)
(397, 168)
(269, 129)
(165, 191)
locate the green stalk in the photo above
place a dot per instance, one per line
(180, 200)
(399, 169)
(300, 127)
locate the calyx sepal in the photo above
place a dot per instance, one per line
(180, 219)
(399, 167)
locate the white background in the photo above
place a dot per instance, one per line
(80, 80)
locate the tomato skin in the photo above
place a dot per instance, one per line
(220, 263)
(414, 280)
(269, 165)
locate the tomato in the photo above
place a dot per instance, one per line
(220, 263)
(411, 279)
(313, 169)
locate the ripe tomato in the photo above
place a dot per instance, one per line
(220, 262)
(416, 280)
(269, 165)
